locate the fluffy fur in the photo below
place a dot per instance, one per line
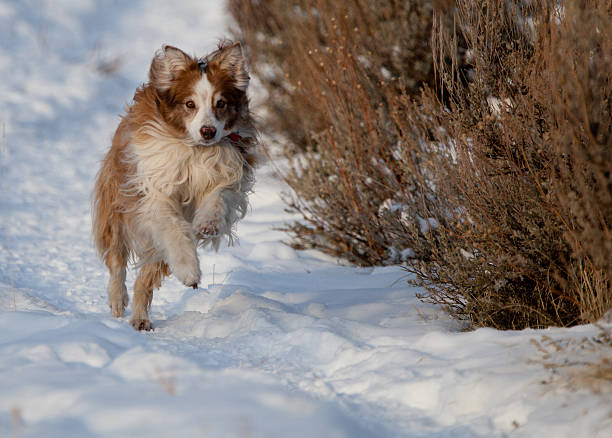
(172, 178)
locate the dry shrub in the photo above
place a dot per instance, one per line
(330, 67)
(300, 47)
(489, 177)
(524, 187)
(579, 72)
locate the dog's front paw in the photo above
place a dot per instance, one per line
(141, 324)
(208, 229)
(210, 222)
(188, 272)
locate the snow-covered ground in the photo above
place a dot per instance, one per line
(275, 343)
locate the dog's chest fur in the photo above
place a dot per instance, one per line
(165, 166)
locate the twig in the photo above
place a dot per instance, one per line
(16, 421)
(226, 276)
(6, 221)
(423, 317)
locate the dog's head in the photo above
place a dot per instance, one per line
(203, 99)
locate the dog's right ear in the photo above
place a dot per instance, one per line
(166, 65)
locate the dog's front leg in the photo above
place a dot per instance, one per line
(211, 217)
(175, 240)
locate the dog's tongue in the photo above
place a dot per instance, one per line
(235, 137)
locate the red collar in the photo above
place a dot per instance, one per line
(235, 137)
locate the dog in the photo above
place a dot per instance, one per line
(177, 175)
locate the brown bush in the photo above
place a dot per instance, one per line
(488, 176)
(330, 68)
(513, 251)
(579, 64)
(300, 47)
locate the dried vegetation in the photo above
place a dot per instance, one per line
(470, 141)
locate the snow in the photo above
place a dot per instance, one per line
(276, 343)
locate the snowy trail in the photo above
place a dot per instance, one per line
(275, 343)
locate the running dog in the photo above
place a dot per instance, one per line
(177, 174)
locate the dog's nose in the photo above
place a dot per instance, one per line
(208, 132)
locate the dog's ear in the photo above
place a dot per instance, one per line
(231, 59)
(166, 65)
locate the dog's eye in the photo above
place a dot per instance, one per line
(220, 103)
(190, 104)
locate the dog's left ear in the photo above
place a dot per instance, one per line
(231, 59)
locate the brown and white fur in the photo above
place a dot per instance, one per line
(172, 178)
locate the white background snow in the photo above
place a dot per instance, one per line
(275, 343)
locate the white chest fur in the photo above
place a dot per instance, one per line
(168, 167)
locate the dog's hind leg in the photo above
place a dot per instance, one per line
(149, 278)
(116, 260)
(107, 226)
